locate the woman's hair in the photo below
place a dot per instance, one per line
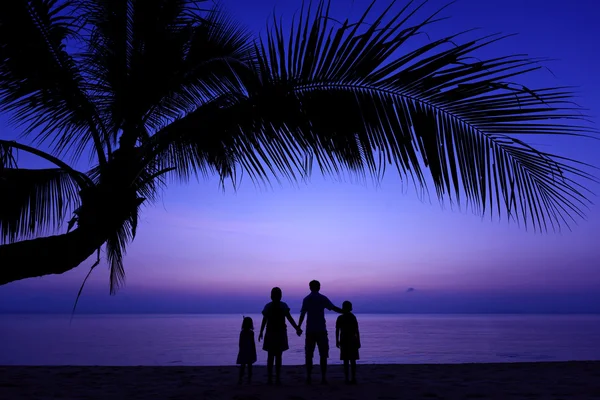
(276, 294)
(247, 324)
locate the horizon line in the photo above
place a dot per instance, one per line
(258, 313)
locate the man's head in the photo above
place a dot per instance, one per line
(347, 306)
(314, 286)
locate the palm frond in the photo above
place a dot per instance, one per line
(215, 51)
(191, 145)
(155, 60)
(340, 95)
(7, 155)
(356, 105)
(34, 202)
(40, 83)
(122, 204)
(120, 224)
(116, 248)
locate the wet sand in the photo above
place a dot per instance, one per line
(561, 380)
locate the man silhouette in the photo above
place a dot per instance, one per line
(316, 330)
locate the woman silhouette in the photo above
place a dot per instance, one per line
(276, 341)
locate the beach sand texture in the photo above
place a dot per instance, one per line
(560, 380)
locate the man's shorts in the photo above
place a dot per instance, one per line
(316, 339)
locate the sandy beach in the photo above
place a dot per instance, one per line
(561, 380)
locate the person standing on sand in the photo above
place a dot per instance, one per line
(276, 341)
(316, 329)
(347, 339)
(247, 349)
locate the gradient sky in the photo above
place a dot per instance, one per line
(204, 250)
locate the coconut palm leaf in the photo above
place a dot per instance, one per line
(146, 186)
(7, 156)
(459, 117)
(196, 144)
(40, 83)
(340, 95)
(34, 202)
(116, 247)
(154, 60)
(214, 51)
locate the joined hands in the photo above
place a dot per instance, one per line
(298, 332)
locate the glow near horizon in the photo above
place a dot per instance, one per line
(371, 240)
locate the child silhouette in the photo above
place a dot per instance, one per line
(276, 341)
(347, 339)
(247, 351)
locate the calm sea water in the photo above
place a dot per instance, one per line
(212, 339)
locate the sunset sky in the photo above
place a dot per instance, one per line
(203, 249)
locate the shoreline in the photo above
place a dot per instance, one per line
(567, 380)
(284, 366)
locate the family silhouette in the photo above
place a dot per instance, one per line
(273, 330)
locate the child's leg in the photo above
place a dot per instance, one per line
(241, 372)
(346, 362)
(353, 370)
(278, 360)
(249, 372)
(270, 357)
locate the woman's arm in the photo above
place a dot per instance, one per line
(262, 328)
(291, 319)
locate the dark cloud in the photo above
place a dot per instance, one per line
(410, 289)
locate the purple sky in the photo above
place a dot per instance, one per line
(362, 242)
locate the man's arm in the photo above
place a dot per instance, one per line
(329, 305)
(302, 313)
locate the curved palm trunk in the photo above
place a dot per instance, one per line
(48, 255)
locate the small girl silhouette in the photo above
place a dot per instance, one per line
(247, 352)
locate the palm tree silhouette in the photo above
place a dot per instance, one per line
(175, 88)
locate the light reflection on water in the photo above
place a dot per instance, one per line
(212, 339)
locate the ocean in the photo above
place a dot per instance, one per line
(126, 340)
